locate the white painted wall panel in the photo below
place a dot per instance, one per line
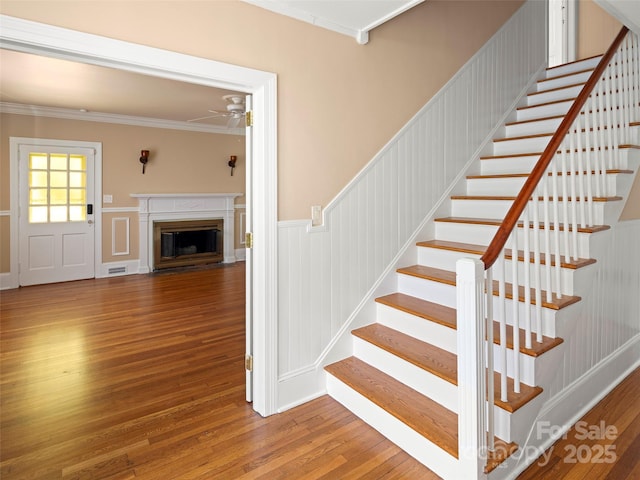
(325, 272)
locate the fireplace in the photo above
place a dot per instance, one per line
(177, 208)
(187, 242)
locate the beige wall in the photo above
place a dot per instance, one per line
(180, 162)
(338, 102)
(596, 29)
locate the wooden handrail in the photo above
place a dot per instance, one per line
(519, 204)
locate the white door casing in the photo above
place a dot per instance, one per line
(41, 39)
(56, 249)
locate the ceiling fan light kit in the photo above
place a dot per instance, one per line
(235, 111)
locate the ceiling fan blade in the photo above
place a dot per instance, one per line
(234, 121)
(218, 114)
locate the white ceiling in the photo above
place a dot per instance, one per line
(37, 85)
(350, 17)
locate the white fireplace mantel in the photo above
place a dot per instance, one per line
(156, 207)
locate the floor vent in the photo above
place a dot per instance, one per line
(114, 270)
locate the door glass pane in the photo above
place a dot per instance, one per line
(38, 179)
(38, 214)
(57, 187)
(58, 162)
(38, 196)
(58, 196)
(77, 162)
(58, 214)
(58, 179)
(77, 196)
(38, 161)
(77, 213)
(77, 179)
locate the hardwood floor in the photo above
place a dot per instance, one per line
(142, 377)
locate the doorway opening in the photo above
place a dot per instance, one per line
(261, 218)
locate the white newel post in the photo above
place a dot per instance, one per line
(471, 369)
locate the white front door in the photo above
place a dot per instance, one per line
(56, 217)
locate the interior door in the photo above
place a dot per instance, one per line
(56, 218)
(249, 256)
(557, 32)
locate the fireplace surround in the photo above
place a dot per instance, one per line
(171, 207)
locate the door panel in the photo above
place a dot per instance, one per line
(56, 185)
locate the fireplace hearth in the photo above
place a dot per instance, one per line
(185, 243)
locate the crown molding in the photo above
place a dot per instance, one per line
(70, 114)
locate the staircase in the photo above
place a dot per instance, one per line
(403, 376)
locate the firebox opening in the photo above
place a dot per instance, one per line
(187, 242)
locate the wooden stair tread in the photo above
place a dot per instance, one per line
(446, 316)
(427, 417)
(449, 278)
(480, 249)
(538, 154)
(437, 361)
(434, 312)
(586, 70)
(524, 175)
(541, 119)
(495, 222)
(510, 198)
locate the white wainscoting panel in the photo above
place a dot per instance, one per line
(120, 229)
(326, 272)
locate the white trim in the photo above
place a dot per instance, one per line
(241, 254)
(360, 33)
(121, 210)
(5, 213)
(41, 39)
(14, 146)
(113, 235)
(69, 114)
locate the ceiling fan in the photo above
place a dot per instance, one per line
(235, 111)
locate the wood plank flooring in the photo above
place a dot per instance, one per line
(142, 377)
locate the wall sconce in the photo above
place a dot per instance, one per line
(144, 158)
(232, 163)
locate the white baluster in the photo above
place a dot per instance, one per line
(547, 233)
(502, 298)
(574, 203)
(556, 224)
(537, 284)
(526, 265)
(565, 199)
(588, 160)
(516, 314)
(490, 379)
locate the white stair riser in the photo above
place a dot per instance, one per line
(525, 164)
(424, 330)
(514, 427)
(563, 81)
(497, 166)
(422, 381)
(446, 295)
(521, 145)
(573, 67)
(554, 95)
(483, 235)
(542, 111)
(398, 432)
(446, 260)
(534, 371)
(511, 186)
(470, 208)
(533, 127)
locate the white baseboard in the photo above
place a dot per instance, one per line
(118, 269)
(8, 280)
(241, 254)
